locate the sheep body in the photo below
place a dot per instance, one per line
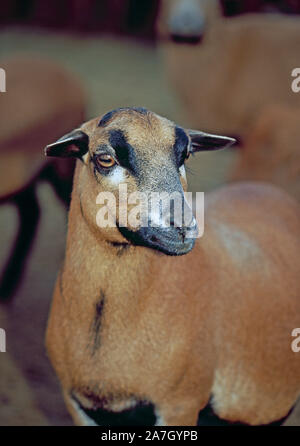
(130, 325)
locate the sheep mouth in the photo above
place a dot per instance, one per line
(168, 242)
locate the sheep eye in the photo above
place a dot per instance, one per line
(105, 161)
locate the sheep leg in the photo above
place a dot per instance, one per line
(29, 212)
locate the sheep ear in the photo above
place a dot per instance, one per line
(73, 144)
(205, 141)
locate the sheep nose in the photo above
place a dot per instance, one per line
(186, 24)
(181, 230)
(188, 229)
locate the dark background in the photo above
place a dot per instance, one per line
(124, 17)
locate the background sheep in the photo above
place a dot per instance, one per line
(272, 150)
(240, 65)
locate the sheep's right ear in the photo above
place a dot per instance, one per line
(74, 144)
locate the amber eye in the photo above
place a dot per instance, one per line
(105, 161)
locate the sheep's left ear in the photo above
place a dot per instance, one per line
(205, 141)
(74, 144)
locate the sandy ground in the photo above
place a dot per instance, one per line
(115, 74)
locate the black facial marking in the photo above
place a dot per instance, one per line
(207, 417)
(108, 116)
(180, 146)
(124, 151)
(142, 414)
(97, 321)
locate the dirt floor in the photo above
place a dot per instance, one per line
(115, 74)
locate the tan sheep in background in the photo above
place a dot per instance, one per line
(42, 100)
(241, 64)
(272, 150)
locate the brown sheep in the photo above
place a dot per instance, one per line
(139, 329)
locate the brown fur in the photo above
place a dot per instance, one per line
(272, 150)
(242, 65)
(177, 330)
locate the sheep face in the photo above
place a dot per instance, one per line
(185, 21)
(133, 165)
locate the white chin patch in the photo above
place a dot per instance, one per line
(117, 176)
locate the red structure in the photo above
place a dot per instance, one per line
(132, 17)
(235, 7)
